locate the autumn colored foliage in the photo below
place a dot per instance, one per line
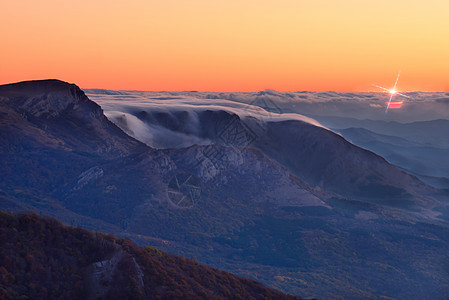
(40, 258)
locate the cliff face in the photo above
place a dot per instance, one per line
(59, 114)
(42, 259)
(47, 98)
(50, 133)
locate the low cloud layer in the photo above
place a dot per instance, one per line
(138, 112)
(422, 106)
(165, 120)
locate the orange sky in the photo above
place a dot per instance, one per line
(233, 45)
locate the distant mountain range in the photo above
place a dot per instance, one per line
(420, 148)
(277, 198)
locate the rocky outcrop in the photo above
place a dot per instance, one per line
(55, 109)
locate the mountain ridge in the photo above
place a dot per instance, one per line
(311, 153)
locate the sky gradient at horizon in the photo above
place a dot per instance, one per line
(244, 45)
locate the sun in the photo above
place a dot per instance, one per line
(393, 92)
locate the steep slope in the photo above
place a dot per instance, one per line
(427, 161)
(42, 259)
(46, 110)
(322, 158)
(49, 133)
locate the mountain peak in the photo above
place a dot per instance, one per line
(53, 108)
(43, 98)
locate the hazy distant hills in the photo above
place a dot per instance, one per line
(262, 195)
(433, 133)
(421, 148)
(422, 160)
(42, 259)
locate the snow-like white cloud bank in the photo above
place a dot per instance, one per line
(422, 106)
(163, 120)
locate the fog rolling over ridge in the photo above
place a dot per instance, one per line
(414, 138)
(165, 122)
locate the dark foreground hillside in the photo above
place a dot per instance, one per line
(42, 259)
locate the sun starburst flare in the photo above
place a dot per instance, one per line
(393, 91)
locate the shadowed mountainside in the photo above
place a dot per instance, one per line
(42, 259)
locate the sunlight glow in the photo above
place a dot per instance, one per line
(392, 92)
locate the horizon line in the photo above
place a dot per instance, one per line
(228, 91)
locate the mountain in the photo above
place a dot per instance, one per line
(432, 133)
(42, 259)
(49, 133)
(45, 111)
(225, 201)
(319, 157)
(428, 162)
(420, 147)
